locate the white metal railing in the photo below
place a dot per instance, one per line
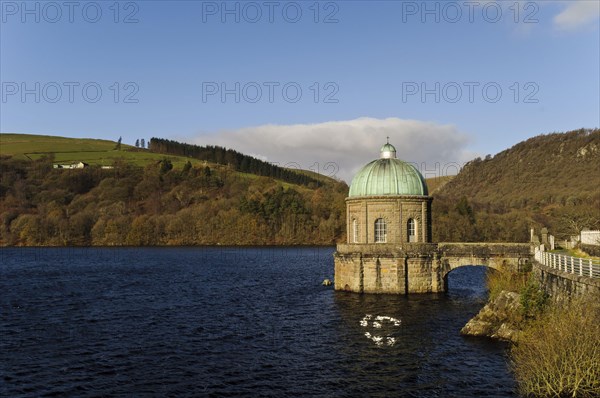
(573, 265)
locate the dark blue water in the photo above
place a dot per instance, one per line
(230, 322)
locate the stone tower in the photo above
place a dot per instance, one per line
(388, 218)
(389, 248)
(388, 203)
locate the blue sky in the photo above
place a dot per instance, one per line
(361, 67)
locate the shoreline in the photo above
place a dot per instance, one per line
(231, 246)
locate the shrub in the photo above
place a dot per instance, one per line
(533, 298)
(503, 279)
(558, 353)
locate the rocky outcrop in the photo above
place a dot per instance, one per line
(498, 319)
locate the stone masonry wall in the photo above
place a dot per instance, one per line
(396, 211)
(348, 272)
(383, 275)
(420, 275)
(386, 268)
(416, 267)
(422, 268)
(562, 286)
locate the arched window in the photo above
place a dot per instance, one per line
(355, 231)
(380, 231)
(411, 230)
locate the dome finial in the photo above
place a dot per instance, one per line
(388, 151)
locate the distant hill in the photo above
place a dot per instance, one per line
(551, 180)
(149, 198)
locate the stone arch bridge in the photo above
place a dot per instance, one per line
(499, 256)
(419, 267)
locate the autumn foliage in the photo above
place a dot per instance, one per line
(546, 181)
(161, 205)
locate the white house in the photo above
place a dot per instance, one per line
(588, 237)
(78, 165)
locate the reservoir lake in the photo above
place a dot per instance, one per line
(221, 321)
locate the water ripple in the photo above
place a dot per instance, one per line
(229, 322)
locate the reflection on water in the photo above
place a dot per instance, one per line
(429, 356)
(222, 321)
(381, 329)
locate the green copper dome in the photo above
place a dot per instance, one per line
(388, 176)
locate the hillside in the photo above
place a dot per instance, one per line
(435, 184)
(151, 198)
(549, 181)
(237, 161)
(154, 199)
(72, 150)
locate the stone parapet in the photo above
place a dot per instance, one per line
(388, 249)
(562, 286)
(481, 249)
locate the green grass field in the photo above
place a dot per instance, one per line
(100, 152)
(72, 150)
(574, 253)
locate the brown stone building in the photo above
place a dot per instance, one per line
(388, 215)
(388, 203)
(389, 248)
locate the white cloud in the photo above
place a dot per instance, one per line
(349, 144)
(578, 13)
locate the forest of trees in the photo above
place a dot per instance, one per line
(160, 205)
(548, 181)
(237, 160)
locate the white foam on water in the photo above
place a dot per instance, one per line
(378, 323)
